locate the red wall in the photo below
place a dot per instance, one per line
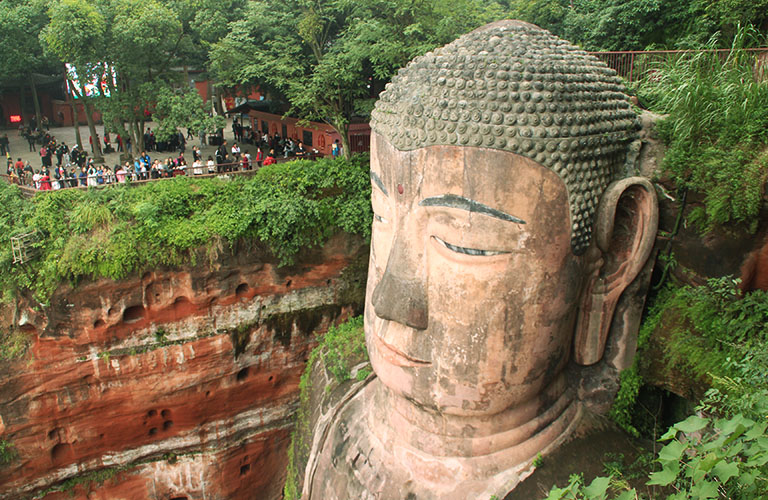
(10, 100)
(323, 135)
(62, 114)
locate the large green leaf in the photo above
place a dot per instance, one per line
(665, 476)
(725, 470)
(597, 488)
(672, 451)
(691, 424)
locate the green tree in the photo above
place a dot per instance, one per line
(76, 34)
(727, 15)
(175, 108)
(143, 41)
(328, 58)
(144, 44)
(23, 57)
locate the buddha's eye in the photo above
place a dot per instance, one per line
(379, 218)
(468, 251)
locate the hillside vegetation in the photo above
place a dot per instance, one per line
(118, 230)
(716, 129)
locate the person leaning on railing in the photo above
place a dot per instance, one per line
(270, 158)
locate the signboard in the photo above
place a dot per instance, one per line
(96, 85)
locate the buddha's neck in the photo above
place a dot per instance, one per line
(537, 422)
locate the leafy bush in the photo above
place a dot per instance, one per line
(622, 410)
(722, 337)
(717, 129)
(340, 345)
(715, 336)
(703, 458)
(13, 344)
(126, 229)
(714, 458)
(716, 328)
(745, 389)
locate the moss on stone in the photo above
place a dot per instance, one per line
(13, 344)
(341, 349)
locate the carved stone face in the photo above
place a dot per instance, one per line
(472, 287)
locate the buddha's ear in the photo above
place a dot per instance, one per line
(624, 235)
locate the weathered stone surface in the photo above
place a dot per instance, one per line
(186, 380)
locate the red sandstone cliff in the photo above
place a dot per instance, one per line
(179, 384)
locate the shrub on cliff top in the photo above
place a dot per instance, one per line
(125, 229)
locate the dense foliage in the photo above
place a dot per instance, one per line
(703, 458)
(119, 230)
(715, 336)
(717, 130)
(640, 24)
(329, 58)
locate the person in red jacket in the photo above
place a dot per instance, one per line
(270, 158)
(45, 181)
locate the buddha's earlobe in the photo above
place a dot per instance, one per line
(625, 232)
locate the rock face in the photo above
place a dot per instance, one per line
(179, 384)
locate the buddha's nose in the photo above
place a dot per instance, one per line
(401, 294)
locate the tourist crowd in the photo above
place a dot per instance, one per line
(74, 168)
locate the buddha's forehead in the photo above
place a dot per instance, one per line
(482, 173)
(514, 87)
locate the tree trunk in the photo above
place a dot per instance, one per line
(345, 149)
(97, 156)
(341, 124)
(75, 121)
(23, 103)
(138, 134)
(217, 101)
(35, 100)
(118, 122)
(209, 96)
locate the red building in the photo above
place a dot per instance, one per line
(256, 115)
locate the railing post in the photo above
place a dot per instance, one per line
(631, 66)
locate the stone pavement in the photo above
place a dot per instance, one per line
(20, 147)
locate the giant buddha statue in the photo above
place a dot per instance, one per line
(506, 229)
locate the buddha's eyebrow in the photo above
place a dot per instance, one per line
(455, 201)
(377, 180)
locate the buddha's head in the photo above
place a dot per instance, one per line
(504, 231)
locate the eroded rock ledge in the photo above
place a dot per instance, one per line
(176, 384)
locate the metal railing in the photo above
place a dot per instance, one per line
(23, 248)
(130, 177)
(636, 65)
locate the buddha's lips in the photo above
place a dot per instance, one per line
(396, 357)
